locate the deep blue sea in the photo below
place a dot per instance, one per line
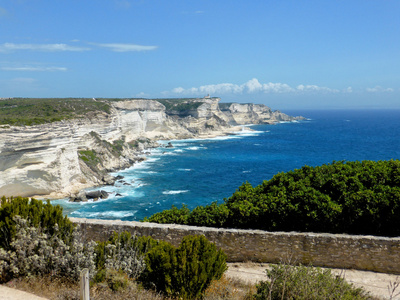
(198, 172)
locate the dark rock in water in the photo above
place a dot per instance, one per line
(97, 194)
(125, 183)
(80, 197)
(118, 195)
(119, 177)
(169, 145)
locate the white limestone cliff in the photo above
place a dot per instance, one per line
(46, 160)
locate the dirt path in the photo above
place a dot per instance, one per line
(7, 293)
(375, 283)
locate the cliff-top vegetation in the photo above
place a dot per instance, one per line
(179, 104)
(342, 197)
(34, 111)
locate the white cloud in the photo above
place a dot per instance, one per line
(315, 88)
(253, 85)
(250, 87)
(34, 69)
(10, 47)
(379, 89)
(126, 47)
(348, 90)
(277, 88)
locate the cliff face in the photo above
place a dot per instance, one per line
(241, 114)
(60, 158)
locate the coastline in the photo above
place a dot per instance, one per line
(145, 154)
(59, 159)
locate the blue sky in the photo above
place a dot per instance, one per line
(285, 54)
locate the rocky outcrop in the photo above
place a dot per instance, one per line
(241, 114)
(61, 158)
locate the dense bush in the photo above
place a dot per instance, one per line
(306, 283)
(39, 214)
(123, 252)
(32, 251)
(342, 197)
(186, 271)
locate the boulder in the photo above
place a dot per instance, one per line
(97, 194)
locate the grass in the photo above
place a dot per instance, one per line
(89, 157)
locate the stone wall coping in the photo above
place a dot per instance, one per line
(230, 230)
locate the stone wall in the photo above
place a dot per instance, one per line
(371, 253)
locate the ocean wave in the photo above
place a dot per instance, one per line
(175, 192)
(196, 148)
(106, 214)
(185, 170)
(148, 172)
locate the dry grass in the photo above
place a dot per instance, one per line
(58, 289)
(61, 289)
(229, 288)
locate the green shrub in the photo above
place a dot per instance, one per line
(37, 213)
(342, 197)
(186, 271)
(306, 283)
(123, 252)
(170, 216)
(115, 280)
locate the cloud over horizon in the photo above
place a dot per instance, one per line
(379, 89)
(252, 86)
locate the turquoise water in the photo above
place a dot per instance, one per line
(198, 172)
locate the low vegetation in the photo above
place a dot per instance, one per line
(38, 241)
(305, 283)
(341, 197)
(34, 111)
(179, 104)
(45, 254)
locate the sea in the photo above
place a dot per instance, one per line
(201, 171)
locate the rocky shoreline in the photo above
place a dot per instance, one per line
(60, 159)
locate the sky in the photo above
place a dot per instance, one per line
(309, 54)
